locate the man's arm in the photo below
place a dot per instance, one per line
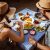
(42, 47)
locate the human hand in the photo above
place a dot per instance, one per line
(32, 41)
(21, 26)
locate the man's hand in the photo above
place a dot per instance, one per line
(32, 41)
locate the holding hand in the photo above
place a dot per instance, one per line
(21, 26)
(32, 41)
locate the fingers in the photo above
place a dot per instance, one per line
(20, 23)
(30, 38)
(21, 26)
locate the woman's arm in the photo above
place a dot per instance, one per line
(42, 47)
(8, 33)
(15, 37)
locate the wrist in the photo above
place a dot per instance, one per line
(35, 44)
(21, 30)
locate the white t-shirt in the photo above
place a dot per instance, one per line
(47, 34)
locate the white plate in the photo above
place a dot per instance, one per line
(25, 31)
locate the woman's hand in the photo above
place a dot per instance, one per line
(21, 26)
